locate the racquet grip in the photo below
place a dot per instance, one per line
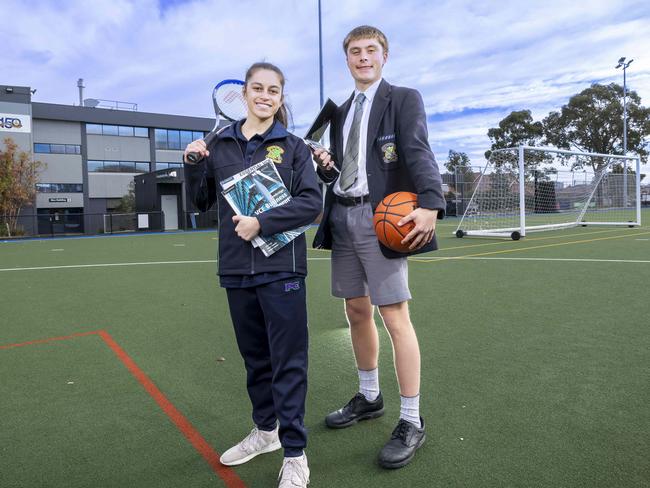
(194, 157)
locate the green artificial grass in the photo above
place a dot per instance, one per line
(534, 372)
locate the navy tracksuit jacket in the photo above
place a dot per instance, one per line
(266, 296)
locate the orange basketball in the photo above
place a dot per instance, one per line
(389, 211)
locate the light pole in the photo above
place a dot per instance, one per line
(320, 53)
(624, 65)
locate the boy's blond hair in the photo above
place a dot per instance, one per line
(365, 32)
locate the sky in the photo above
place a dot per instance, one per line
(473, 61)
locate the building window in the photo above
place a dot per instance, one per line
(110, 130)
(161, 138)
(94, 129)
(175, 139)
(94, 166)
(186, 138)
(57, 148)
(118, 167)
(116, 130)
(59, 188)
(160, 166)
(125, 131)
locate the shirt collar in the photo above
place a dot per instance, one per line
(370, 91)
(240, 135)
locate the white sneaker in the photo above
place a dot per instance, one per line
(294, 472)
(257, 442)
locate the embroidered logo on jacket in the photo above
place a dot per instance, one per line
(274, 153)
(292, 286)
(389, 152)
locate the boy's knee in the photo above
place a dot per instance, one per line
(358, 310)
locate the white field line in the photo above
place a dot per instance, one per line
(575, 260)
(109, 265)
(420, 260)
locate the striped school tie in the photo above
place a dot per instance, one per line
(351, 156)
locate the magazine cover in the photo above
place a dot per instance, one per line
(255, 190)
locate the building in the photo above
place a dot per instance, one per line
(90, 157)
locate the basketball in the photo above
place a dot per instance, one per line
(390, 211)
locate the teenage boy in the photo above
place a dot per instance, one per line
(379, 144)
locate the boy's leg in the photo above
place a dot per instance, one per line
(349, 282)
(363, 332)
(406, 350)
(409, 434)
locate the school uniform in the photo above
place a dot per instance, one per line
(380, 146)
(395, 157)
(266, 295)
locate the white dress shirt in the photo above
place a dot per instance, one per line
(360, 186)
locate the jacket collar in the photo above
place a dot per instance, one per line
(277, 131)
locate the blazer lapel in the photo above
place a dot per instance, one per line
(379, 104)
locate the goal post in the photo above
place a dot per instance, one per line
(530, 189)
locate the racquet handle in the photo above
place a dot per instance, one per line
(194, 157)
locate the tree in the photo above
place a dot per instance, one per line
(18, 178)
(456, 160)
(127, 203)
(516, 129)
(458, 164)
(592, 121)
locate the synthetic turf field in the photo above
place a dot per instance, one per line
(535, 360)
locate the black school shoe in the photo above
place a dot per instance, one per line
(403, 443)
(356, 409)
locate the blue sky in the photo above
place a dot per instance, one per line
(473, 61)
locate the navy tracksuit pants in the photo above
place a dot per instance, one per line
(270, 324)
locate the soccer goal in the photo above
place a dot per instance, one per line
(120, 222)
(528, 189)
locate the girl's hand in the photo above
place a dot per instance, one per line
(246, 227)
(198, 147)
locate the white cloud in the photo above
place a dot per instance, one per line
(481, 58)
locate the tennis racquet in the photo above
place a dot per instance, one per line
(228, 101)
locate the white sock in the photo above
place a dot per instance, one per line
(369, 384)
(410, 409)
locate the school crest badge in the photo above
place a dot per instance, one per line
(389, 152)
(274, 153)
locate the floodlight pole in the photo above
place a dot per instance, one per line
(320, 53)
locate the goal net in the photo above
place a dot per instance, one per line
(120, 222)
(528, 189)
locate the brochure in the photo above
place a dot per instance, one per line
(255, 190)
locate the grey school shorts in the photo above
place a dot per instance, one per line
(358, 266)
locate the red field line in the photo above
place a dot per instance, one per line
(228, 476)
(51, 339)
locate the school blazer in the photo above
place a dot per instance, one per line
(398, 157)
